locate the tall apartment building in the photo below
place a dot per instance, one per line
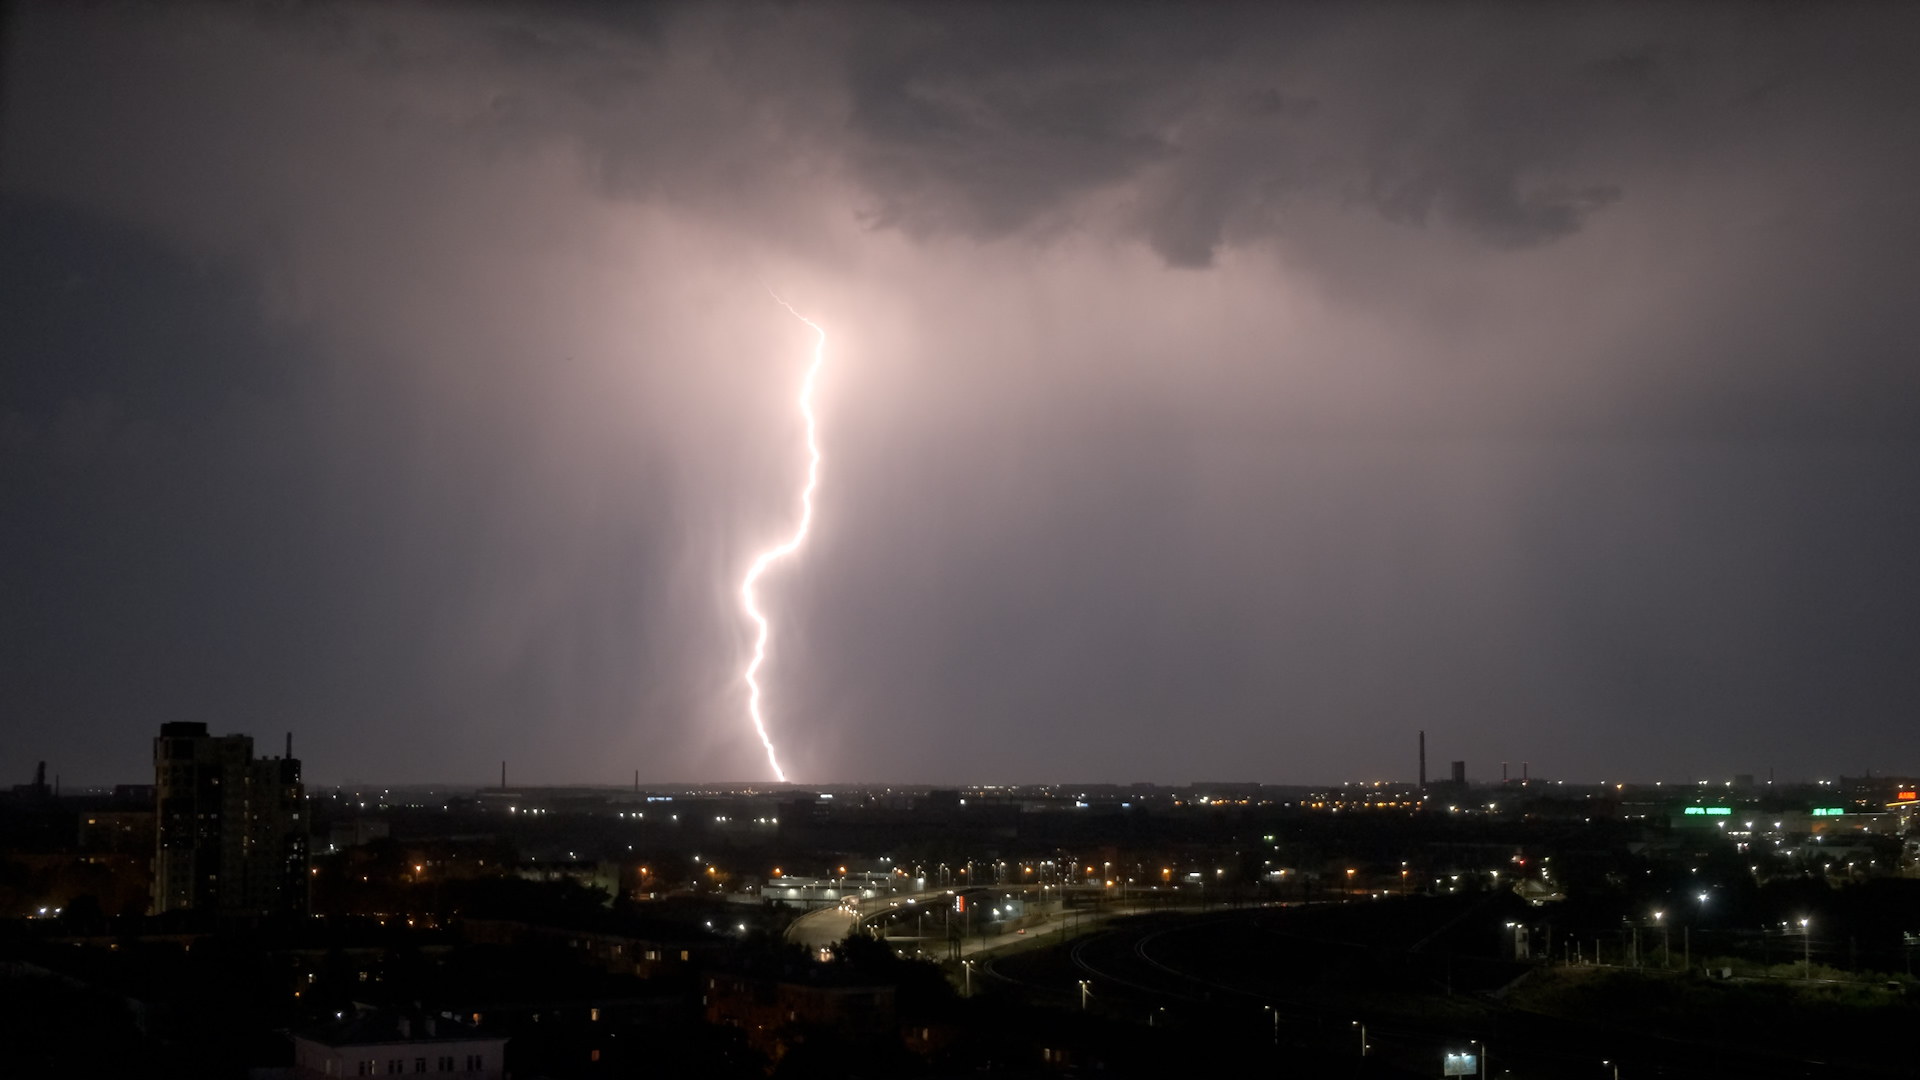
(231, 828)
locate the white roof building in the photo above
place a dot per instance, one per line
(383, 1043)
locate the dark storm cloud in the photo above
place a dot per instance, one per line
(1212, 392)
(974, 120)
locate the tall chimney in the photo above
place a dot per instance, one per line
(1503, 772)
(1523, 774)
(289, 746)
(1423, 759)
(503, 776)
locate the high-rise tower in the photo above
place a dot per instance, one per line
(232, 830)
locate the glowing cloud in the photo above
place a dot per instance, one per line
(768, 557)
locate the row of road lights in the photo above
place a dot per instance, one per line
(1480, 1048)
(1366, 1048)
(1659, 919)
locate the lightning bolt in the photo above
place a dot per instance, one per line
(772, 555)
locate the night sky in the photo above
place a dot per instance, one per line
(1210, 393)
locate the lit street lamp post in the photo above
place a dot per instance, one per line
(1806, 947)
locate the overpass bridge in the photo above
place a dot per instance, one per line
(820, 929)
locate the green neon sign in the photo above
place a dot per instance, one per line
(1710, 811)
(1828, 811)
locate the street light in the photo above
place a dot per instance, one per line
(1356, 1023)
(1083, 995)
(1616, 1069)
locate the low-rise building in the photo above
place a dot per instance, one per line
(116, 831)
(356, 832)
(774, 1014)
(383, 1043)
(620, 954)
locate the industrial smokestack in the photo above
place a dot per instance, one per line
(503, 776)
(289, 746)
(1503, 772)
(1423, 759)
(1523, 774)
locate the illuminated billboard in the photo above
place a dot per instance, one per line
(1708, 811)
(1460, 1065)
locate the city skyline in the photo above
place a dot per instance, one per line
(1514, 773)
